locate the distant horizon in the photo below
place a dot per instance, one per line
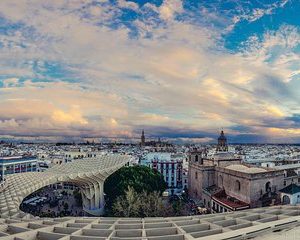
(136, 141)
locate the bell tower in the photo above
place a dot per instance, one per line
(222, 143)
(143, 138)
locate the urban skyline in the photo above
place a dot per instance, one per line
(180, 69)
(149, 119)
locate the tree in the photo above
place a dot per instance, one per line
(134, 204)
(144, 204)
(127, 205)
(152, 205)
(179, 208)
(66, 206)
(140, 178)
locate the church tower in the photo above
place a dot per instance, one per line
(143, 138)
(222, 143)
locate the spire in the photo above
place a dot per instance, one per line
(222, 143)
(143, 138)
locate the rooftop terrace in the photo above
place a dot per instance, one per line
(232, 225)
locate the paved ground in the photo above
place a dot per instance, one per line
(54, 194)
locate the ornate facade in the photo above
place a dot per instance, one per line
(223, 183)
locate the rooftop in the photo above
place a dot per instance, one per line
(291, 189)
(229, 201)
(231, 225)
(14, 159)
(224, 156)
(246, 169)
(288, 166)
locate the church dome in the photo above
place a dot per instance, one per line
(222, 136)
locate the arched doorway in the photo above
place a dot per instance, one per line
(286, 199)
(268, 187)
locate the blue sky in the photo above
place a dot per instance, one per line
(182, 69)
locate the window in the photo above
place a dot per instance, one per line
(237, 185)
(268, 187)
(284, 183)
(196, 158)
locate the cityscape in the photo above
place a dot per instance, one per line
(149, 120)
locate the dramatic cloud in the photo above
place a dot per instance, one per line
(80, 69)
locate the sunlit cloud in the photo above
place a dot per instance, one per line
(78, 69)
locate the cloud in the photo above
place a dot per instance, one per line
(128, 4)
(76, 69)
(254, 14)
(10, 82)
(169, 8)
(72, 116)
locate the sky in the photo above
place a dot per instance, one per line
(73, 70)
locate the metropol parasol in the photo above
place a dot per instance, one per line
(89, 175)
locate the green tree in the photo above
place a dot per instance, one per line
(144, 204)
(66, 206)
(179, 208)
(127, 205)
(140, 178)
(151, 205)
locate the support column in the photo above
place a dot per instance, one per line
(93, 198)
(101, 190)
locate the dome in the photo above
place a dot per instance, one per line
(245, 169)
(222, 136)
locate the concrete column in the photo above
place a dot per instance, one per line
(97, 195)
(93, 198)
(101, 188)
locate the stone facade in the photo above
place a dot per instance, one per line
(223, 183)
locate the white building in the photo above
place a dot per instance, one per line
(290, 194)
(17, 164)
(171, 166)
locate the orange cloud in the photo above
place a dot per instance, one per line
(73, 116)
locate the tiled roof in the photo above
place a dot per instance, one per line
(291, 189)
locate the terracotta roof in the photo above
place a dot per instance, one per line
(229, 201)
